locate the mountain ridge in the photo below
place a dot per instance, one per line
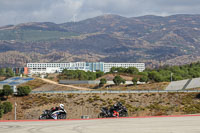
(154, 40)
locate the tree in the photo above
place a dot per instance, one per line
(9, 72)
(135, 80)
(113, 69)
(154, 75)
(99, 74)
(1, 110)
(118, 80)
(82, 75)
(143, 73)
(7, 90)
(132, 70)
(91, 75)
(102, 82)
(23, 90)
(121, 69)
(1, 92)
(3, 72)
(7, 107)
(144, 79)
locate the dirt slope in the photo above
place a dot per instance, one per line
(30, 107)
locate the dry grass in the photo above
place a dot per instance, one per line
(152, 86)
(53, 77)
(110, 77)
(2, 78)
(143, 104)
(34, 83)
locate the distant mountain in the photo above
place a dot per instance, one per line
(155, 40)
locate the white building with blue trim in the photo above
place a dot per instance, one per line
(43, 68)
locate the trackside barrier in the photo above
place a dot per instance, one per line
(114, 92)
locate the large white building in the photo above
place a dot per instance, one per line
(42, 68)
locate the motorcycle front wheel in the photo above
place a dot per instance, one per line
(62, 116)
(43, 117)
(124, 114)
(101, 115)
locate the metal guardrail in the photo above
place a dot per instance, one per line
(115, 92)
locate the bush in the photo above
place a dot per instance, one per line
(155, 76)
(99, 74)
(1, 113)
(129, 70)
(102, 82)
(7, 90)
(6, 72)
(144, 79)
(132, 70)
(1, 92)
(118, 80)
(134, 80)
(1, 110)
(23, 90)
(7, 107)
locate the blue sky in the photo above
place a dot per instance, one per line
(60, 11)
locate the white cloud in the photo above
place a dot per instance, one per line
(59, 11)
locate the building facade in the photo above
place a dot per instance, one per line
(43, 68)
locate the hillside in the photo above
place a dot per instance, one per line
(155, 40)
(152, 104)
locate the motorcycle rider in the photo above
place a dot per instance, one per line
(115, 109)
(56, 110)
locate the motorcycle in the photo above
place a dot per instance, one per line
(47, 114)
(113, 112)
(105, 113)
(123, 112)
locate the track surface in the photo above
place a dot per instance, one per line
(189, 124)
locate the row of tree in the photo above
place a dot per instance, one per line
(166, 73)
(129, 70)
(21, 91)
(80, 75)
(119, 80)
(5, 92)
(174, 73)
(6, 72)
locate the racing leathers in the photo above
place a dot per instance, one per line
(55, 111)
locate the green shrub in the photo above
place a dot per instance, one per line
(1, 113)
(90, 100)
(1, 92)
(7, 107)
(23, 90)
(129, 70)
(70, 95)
(7, 90)
(118, 80)
(1, 110)
(135, 80)
(102, 82)
(144, 79)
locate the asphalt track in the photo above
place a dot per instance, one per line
(185, 124)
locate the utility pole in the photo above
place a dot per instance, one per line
(15, 111)
(171, 76)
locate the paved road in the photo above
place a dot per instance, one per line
(135, 125)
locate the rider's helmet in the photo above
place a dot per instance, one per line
(62, 106)
(115, 105)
